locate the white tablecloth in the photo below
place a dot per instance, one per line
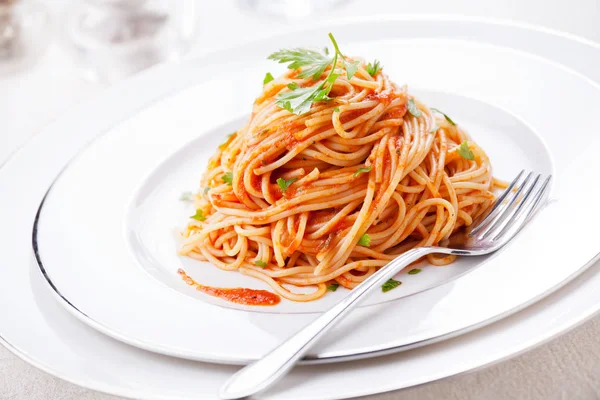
(566, 368)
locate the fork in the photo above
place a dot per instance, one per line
(510, 212)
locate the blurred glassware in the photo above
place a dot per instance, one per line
(112, 39)
(291, 9)
(24, 34)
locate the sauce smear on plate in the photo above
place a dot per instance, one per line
(249, 297)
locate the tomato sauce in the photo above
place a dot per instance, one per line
(248, 297)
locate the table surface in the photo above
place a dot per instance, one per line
(566, 368)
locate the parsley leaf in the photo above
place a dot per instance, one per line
(268, 78)
(390, 284)
(365, 240)
(413, 109)
(228, 178)
(445, 116)
(414, 271)
(260, 263)
(299, 100)
(361, 170)
(186, 196)
(336, 109)
(333, 286)
(292, 86)
(199, 216)
(465, 152)
(298, 58)
(374, 68)
(285, 184)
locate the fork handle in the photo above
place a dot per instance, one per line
(263, 373)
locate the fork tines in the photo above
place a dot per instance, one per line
(513, 208)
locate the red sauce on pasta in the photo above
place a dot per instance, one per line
(249, 297)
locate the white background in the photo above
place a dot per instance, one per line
(567, 368)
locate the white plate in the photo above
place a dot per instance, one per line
(78, 354)
(119, 197)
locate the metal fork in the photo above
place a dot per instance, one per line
(511, 211)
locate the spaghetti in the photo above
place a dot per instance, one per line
(330, 195)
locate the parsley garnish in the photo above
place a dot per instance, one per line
(199, 216)
(336, 109)
(268, 78)
(445, 116)
(361, 170)
(333, 287)
(260, 263)
(228, 178)
(285, 184)
(186, 196)
(365, 240)
(299, 100)
(390, 284)
(414, 271)
(374, 68)
(292, 86)
(413, 109)
(465, 152)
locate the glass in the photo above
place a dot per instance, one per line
(112, 39)
(24, 27)
(291, 9)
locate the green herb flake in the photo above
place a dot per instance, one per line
(260, 263)
(186, 196)
(390, 284)
(285, 184)
(374, 68)
(223, 145)
(413, 109)
(228, 178)
(362, 170)
(199, 216)
(365, 240)
(333, 287)
(206, 189)
(445, 116)
(268, 78)
(336, 109)
(292, 86)
(414, 271)
(465, 152)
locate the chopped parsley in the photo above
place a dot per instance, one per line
(445, 116)
(333, 287)
(285, 184)
(223, 145)
(465, 152)
(228, 178)
(336, 109)
(199, 216)
(186, 196)
(414, 271)
(362, 170)
(374, 68)
(260, 263)
(390, 284)
(365, 240)
(413, 109)
(268, 78)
